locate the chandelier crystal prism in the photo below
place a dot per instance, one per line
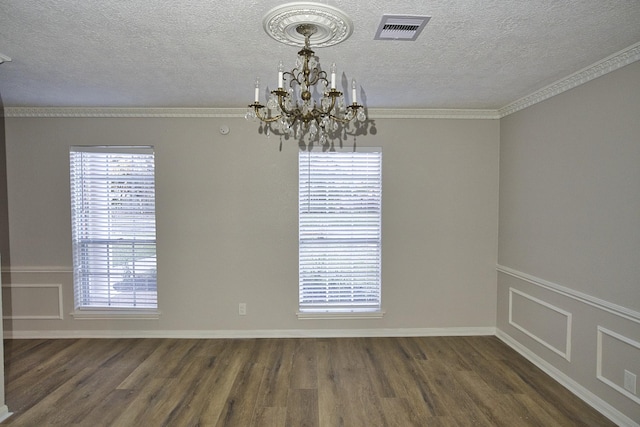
(306, 101)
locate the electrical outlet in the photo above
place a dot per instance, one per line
(630, 381)
(242, 309)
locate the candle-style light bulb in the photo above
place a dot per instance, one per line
(257, 94)
(280, 74)
(353, 91)
(333, 75)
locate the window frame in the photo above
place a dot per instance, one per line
(341, 309)
(97, 227)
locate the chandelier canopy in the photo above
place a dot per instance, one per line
(306, 101)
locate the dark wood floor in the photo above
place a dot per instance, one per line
(434, 381)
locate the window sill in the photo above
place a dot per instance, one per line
(114, 313)
(340, 315)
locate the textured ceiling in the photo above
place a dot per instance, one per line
(206, 53)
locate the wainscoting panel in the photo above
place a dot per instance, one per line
(617, 354)
(597, 340)
(32, 301)
(545, 323)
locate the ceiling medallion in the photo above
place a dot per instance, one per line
(332, 25)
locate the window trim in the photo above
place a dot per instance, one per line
(347, 313)
(88, 313)
(114, 312)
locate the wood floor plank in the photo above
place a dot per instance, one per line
(354, 388)
(391, 361)
(402, 372)
(270, 417)
(552, 396)
(155, 365)
(302, 408)
(532, 413)
(411, 348)
(304, 370)
(56, 369)
(494, 406)
(86, 389)
(23, 356)
(437, 348)
(398, 413)
(448, 396)
(107, 409)
(373, 362)
(330, 403)
(491, 348)
(212, 394)
(240, 406)
(187, 388)
(190, 388)
(491, 372)
(151, 405)
(274, 388)
(173, 360)
(129, 353)
(86, 393)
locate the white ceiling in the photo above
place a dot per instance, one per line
(473, 54)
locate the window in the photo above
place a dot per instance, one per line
(113, 227)
(340, 206)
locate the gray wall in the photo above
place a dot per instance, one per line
(569, 235)
(227, 226)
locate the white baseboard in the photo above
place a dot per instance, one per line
(259, 333)
(4, 413)
(590, 398)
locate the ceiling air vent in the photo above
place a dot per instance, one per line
(401, 27)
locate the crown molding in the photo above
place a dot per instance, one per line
(106, 112)
(118, 112)
(600, 68)
(405, 113)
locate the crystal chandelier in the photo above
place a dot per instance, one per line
(306, 101)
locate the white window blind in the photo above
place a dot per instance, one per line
(340, 207)
(113, 227)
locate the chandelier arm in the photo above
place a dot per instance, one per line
(340, 119)
(333, 94)
(265, 119)
(281, 94)
(354, 107)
